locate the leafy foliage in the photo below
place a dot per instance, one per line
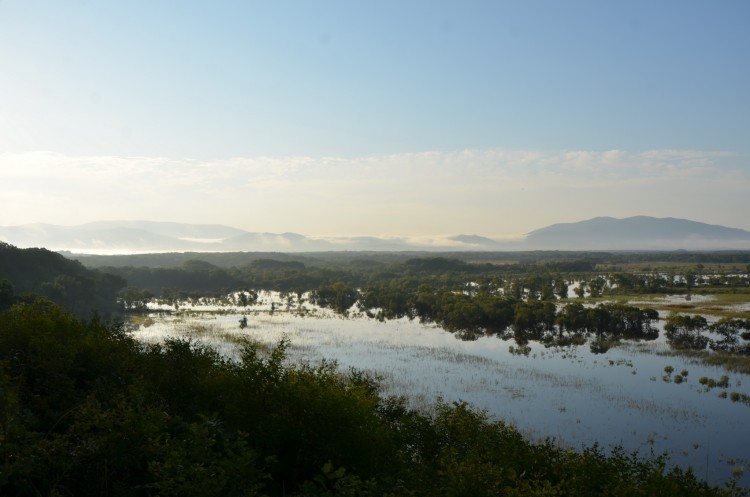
(86, 410)
(734, 336)
(684, 331)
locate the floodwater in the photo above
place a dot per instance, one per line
(622, 397)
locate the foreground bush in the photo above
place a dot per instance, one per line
(86, 410)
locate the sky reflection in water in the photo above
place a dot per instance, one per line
(569, 394)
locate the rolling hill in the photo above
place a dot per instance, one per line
(637, 233)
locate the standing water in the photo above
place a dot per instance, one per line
(629, 396)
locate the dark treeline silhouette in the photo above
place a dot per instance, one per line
(200, 276)
(560, 257)
(206, 273)
(41, 272)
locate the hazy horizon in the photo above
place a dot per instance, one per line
(387, 119)
(640, 233)
(208, 240)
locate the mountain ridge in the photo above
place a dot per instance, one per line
(639, 232)
(598, 233)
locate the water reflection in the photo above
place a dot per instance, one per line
(568, 393)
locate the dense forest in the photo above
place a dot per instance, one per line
(193, 273)
(237, 259)
(67, 282)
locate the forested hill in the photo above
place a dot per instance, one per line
(45, 273)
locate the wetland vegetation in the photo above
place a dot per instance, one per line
(346, 378)
(87, 409)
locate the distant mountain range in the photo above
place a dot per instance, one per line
(638, 233)
(601, 233)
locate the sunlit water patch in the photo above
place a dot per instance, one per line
(623, 397)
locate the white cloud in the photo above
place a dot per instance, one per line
(489, 192)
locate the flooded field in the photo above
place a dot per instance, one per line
(630, 396)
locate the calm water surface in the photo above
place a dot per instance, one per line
(568, 394)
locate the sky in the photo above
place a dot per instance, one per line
(387, 118)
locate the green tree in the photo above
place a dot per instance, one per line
(247, 297)
(580, 290)
(572, 317)
(7, 294)
(532, 319)
(733, 334)
(135, 299)
(596, 286)
(561, 287)
(338, 296)
(684, 331)
(690, 279)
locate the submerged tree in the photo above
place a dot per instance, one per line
(734, 335)
(684, 331)
(338, 296)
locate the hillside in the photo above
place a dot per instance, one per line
(67, 282)
(637, 233)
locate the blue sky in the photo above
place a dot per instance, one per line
(399, 118)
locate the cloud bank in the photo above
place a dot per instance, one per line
(495, 192)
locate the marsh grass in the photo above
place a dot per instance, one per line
(664, 266)
(733, 304)
(718, 302)
(730, 362)
(213, 334)
(142, 320)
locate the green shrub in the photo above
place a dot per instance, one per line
(85, 410)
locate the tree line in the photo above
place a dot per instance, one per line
(693, 332)
(544, 280)
(471, 315)
(25, 273)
